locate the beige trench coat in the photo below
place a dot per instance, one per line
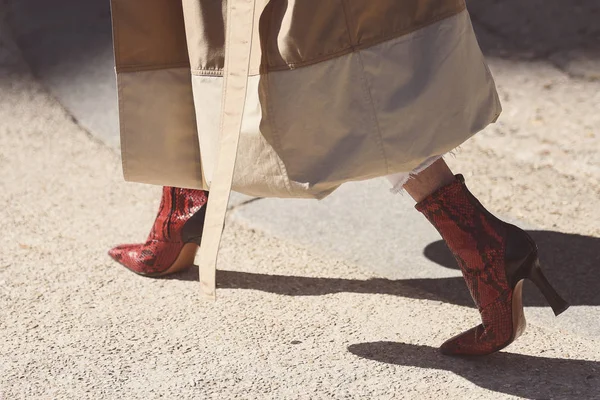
(295, 97)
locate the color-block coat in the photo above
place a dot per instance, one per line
(308, 94)
(338, 90)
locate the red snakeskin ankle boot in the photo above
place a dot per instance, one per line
(494, 257)
(174, 238)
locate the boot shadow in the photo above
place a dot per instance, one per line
(571, 262)
(287, 285)
(519, 375)
(526, 30)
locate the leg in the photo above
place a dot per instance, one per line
(429, 180)
(493, 256)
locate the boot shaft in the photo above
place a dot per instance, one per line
(462, 221)
(176, 219)
(485, 248)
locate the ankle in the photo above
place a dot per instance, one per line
(429, 181)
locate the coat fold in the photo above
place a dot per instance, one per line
(338, 91)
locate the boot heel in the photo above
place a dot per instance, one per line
(558, 304)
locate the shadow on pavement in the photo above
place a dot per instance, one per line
(61, 32)
(304, 286)
(513, 374)
(67, 44)
(536, 28)
(571, 263)
(524, 29)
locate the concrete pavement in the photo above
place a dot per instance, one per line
(310, 306)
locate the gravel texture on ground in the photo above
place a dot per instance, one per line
(541, 161)
(289, 324)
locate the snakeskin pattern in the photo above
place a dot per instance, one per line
(164, 242)
(477, 240)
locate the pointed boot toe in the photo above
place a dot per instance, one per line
(174, 238)
(116, 253)
(467, 344)
(132, 257)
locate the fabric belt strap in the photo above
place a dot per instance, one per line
(240, 27)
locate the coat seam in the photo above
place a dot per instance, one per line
(369, 97)
(347, 21)
(205, 72)
(216, 72)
